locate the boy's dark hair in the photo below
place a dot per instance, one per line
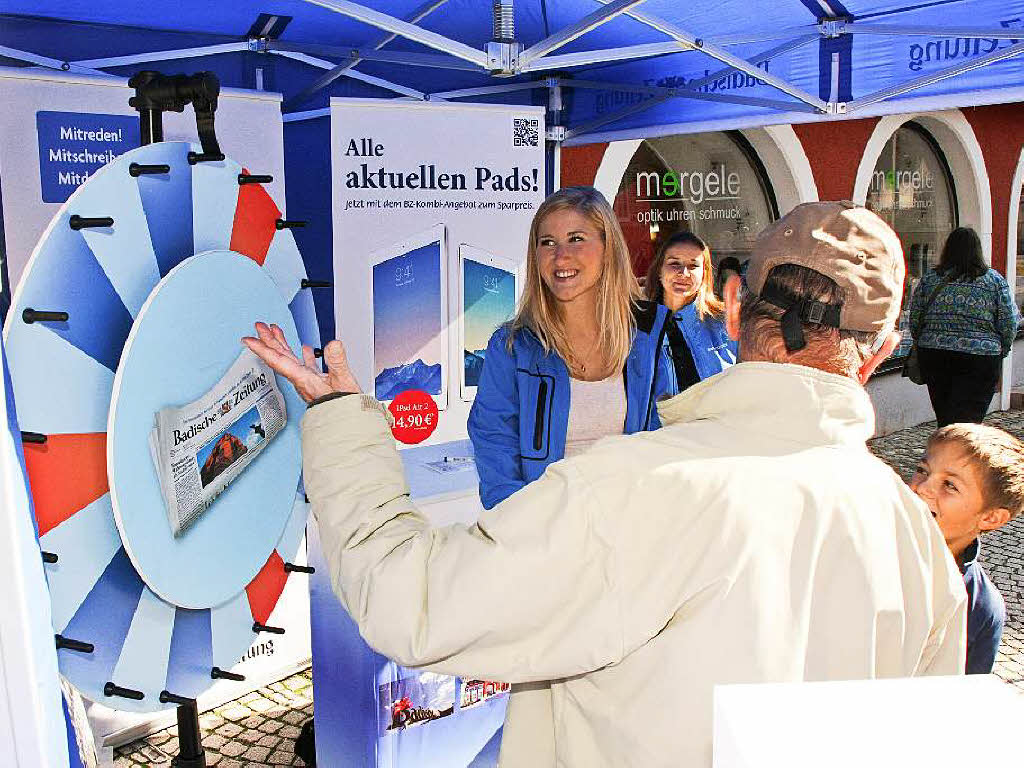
(998, 457)
(962, 258)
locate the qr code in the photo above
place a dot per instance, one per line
(525, 132)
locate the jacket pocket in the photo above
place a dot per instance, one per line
(538, 424)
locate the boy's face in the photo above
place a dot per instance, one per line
(949, 483)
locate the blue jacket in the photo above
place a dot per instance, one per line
(709, 345)
(520, 415)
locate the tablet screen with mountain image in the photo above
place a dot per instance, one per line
(410, 340)
(488, 300)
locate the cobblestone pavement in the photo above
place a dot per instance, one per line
(260, 729)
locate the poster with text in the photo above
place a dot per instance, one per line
(409, 320)
(432, 204)
(488, 299)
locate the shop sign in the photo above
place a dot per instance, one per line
(714, 193)
(902, 189)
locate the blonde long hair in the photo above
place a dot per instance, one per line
(617, 289)
(706, 302)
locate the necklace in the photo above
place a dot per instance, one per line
(577, 363)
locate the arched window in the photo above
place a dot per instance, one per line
(711, 184)
(912, 189)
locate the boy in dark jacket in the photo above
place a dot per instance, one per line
(972, 479)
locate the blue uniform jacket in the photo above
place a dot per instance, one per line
(707, 340)
(521, 412)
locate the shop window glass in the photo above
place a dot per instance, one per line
(912, 189)
(711, 184)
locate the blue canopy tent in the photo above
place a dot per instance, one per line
(605, 69)
(608, 68)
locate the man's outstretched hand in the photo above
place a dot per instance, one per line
(271, 346)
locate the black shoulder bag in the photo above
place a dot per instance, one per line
(912, 366)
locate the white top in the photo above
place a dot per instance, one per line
(596, 409)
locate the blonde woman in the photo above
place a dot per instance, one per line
(680, 277)
(582, 358)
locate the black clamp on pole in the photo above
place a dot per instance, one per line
(289, 223)
(257, 627)
(73, 645)
(30, 315)
(254, 178)
(315, 283)
(221, 674)
(82, 222)
(125, 693)
(293, 568)
(50, 557)
(190, 738)
(36, 438)
(136, 169)
(156, 93)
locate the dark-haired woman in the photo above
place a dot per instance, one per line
(965, 320)
(680, 277)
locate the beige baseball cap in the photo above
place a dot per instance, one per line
(847, 243)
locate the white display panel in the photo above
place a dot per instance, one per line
(392, 179)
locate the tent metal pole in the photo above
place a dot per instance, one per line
(355, 55)
(612, 117)
(353, 74)
(716, 52)
(180, 53)
(331, 75)
(403, 29)
(46, 61)
(759, 59)
(935, 77)
(591, 21)
(783, 33)
(1002, 33)
(309, 114)
(604, 56)
(688, 93)
(487, 90)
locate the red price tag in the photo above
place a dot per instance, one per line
(415, 415)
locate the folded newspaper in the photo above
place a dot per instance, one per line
(201, 447)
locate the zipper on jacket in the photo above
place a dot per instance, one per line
(654, 372)
(538, 426)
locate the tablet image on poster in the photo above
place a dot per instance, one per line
(488, 294)
(410, 343)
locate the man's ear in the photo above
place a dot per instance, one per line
(891, 342)
(731, 294)
(994, 517)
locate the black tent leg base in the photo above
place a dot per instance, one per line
(190, 738)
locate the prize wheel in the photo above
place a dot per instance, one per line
(161, 263)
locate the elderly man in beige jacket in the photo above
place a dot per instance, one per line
(753, 538)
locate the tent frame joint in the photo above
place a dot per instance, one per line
(503, 57)
(831, 28)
